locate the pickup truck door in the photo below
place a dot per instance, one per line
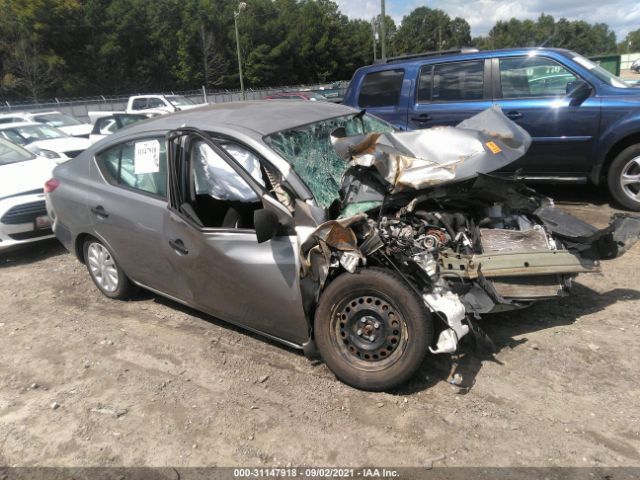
(448, 93)
(532, 91)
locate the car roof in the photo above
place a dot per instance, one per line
(262, 117)
(6, 126)
(463, 55)
(28, 114)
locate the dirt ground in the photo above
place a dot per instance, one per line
(89, 381)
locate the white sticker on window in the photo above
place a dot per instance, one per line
(147, 157)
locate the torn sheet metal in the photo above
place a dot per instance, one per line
(332, 236)
(423, 158)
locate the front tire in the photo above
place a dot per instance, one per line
(372, 329)
(105, 272)
(624, 178)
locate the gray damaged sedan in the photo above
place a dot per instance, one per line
(319, 226)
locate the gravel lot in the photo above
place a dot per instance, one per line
(85, 380)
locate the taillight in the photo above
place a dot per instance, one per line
(50, 185)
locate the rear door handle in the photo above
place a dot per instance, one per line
(178, 246)
(513, 115)
(99, 211)
(422, 118)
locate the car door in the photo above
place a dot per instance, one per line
(381, 94)
(128, 205)
(211, 240)
(532, 91)
(449, 92)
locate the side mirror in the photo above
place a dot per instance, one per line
(578, 91)
(266, 224)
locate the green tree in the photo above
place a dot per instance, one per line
(426, 29)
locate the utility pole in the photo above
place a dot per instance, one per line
(383, 39)
(374, 33)
(241, 6)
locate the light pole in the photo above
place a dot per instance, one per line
(241, 6)
(383, 33)
(374, 37)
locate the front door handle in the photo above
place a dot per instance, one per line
(178, 246)
(513, 115)
(99, 211)
(422, 118)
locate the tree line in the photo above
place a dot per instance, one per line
(62, 48)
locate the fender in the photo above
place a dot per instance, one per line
(617, 131)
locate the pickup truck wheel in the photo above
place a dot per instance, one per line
(105, 272)
(624, 178)
(372, 329)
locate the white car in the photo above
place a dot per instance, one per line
(44, 140)
(23, 215)
(61, 121)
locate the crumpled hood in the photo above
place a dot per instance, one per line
(20, 177)
(419, 159)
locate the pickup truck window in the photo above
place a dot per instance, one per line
(155, 103)
(451, 82)
(381, 89)
(139, 104)
(523, 77)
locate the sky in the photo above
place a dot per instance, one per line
(622, 16)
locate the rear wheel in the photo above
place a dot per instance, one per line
(105, 272)
(372, 329)
(624, 178)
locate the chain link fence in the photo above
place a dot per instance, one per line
(79, 107)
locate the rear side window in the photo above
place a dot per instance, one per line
(381, 89)
(140, 165)
(452, 82)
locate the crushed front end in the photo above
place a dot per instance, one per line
(423, 204)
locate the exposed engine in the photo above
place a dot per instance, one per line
(468, 243)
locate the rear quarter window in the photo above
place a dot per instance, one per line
(381, 89)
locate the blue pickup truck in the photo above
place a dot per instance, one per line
(585, 122)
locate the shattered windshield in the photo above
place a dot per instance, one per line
(309, 151)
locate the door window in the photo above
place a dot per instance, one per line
(140, 165)
(156, 103)
(139, 104)
(220, 197)
(452, 82)
(524, 77)
(381, 89)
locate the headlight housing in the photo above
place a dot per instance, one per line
(46, 153)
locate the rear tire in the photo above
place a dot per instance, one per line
(624, 178)
(372, 329)
(105, 272)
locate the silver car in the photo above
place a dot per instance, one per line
(319, 226)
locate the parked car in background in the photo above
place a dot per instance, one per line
(585, 122)
(107, 125)
(318, 225)
(44, 140)
(298, 95)
(23, 216)
(635, 66)
(68, 124)
(149, 105)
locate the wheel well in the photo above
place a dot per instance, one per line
(79, 246)
(615, 150)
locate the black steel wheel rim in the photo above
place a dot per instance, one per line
(369, 330)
